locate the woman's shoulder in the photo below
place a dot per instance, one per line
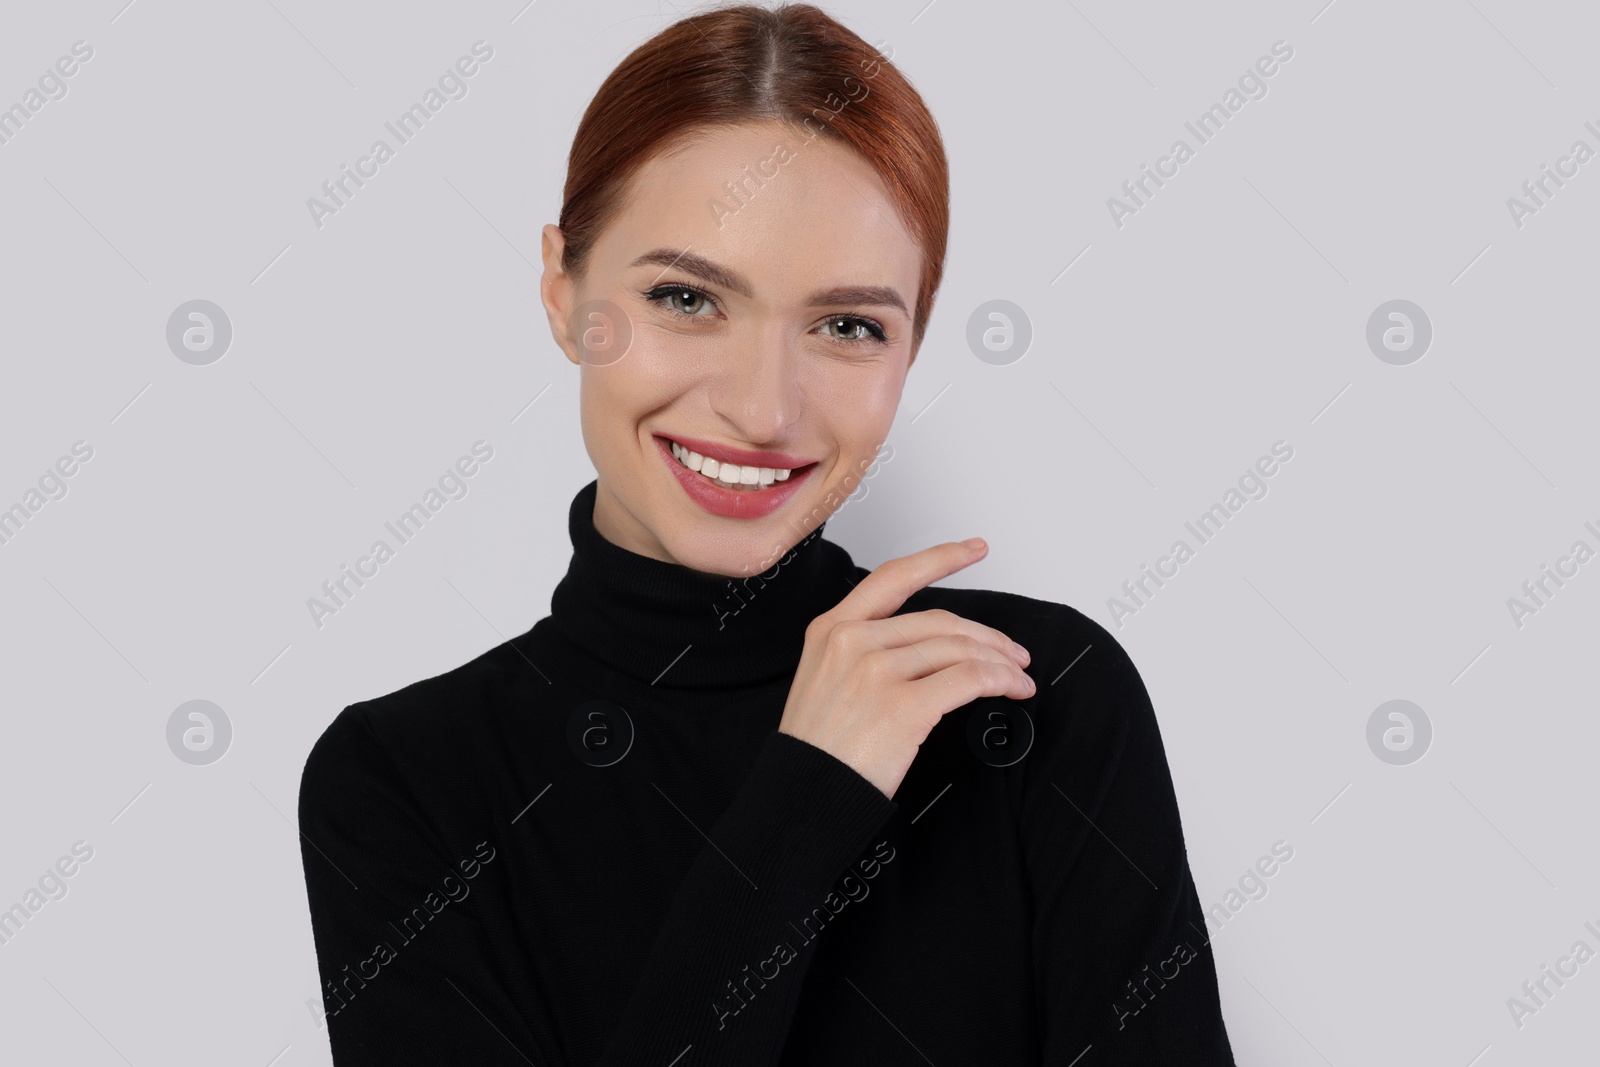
(1092, 711)
(438, 721)
(1049, 630)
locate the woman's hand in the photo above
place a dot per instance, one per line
(870, 688)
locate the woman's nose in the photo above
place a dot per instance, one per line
(756, 391)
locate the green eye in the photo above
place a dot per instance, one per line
(683, 299)
(690, 302)
(687, 301)
(854, 329)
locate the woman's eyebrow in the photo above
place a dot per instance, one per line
(699, 266)
(722, 277)
(859, 294)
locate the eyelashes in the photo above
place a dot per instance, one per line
(661, 296)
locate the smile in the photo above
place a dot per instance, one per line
(731, 489)
(727, 474)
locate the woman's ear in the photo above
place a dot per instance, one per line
(556, 289)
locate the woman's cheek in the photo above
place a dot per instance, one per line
(864, 411)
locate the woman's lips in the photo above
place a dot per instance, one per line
(740, 457)
(733, 503)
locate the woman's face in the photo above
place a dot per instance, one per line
(763, 286)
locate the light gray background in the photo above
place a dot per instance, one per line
(1229, 313)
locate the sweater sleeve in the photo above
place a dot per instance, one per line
(719, 983)
(426, 991)
(716, 988)
(1122, 958)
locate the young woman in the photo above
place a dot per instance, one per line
(737, 800)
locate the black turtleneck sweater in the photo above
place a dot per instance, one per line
(591, 845)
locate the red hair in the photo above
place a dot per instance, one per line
(744, 63)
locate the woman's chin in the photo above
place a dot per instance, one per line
(741, 559)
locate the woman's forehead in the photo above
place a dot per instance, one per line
(762, 200)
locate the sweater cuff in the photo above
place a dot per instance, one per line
(815, 812)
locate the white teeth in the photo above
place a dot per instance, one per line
(693, 460)
(728, 474)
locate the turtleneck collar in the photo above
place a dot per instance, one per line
(670, 625)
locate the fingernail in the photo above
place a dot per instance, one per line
(1027, 657)
(974, 542)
